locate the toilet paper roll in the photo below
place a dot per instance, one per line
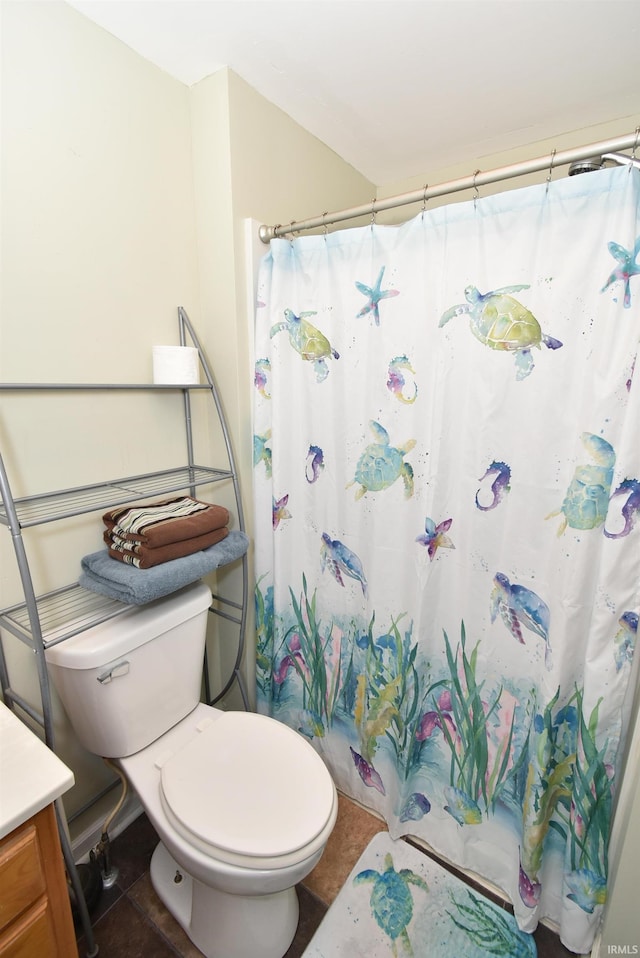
(175, 364)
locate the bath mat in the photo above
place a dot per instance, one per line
(398, 903)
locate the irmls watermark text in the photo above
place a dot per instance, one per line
(623, 949)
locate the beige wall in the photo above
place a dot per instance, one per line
(123, 196)
(98, 248)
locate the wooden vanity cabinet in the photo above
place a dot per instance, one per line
(35, 913)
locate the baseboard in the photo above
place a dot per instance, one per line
(91, 834)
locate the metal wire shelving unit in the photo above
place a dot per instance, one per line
(40, 621)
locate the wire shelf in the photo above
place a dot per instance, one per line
(62, 613)
(36, 510)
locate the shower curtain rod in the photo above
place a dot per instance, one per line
(549, 162)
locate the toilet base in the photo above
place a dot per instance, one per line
(223, 925)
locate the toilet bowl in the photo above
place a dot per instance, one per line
(242, 804)
(234, 839)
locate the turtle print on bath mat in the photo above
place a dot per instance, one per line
(398, 903)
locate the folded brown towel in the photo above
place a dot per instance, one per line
(145, 557)
(169, 520)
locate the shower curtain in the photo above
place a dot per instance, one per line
(447, 496)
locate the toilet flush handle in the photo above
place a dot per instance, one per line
(114, 672)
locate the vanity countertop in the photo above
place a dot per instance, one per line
(31, 776)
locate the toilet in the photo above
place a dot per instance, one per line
(243, 805)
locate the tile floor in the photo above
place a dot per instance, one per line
(130, 921)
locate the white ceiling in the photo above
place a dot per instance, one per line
(398, 87)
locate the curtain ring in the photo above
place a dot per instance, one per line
(325, 228)
(373, 212)
(476, 194)
(635, 145)
(424, 198)
(553, 156)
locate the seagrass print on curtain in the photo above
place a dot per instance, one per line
(447, 494)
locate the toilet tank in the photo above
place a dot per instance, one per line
(125, 682)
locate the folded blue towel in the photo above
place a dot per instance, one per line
(100, 573)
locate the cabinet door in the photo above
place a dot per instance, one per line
(21, 873)
(35, 914)
(32, 936)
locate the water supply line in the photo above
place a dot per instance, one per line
(606, 149)
(102, 851)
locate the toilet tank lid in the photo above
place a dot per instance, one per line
(136, 626)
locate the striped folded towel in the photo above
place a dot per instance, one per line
(145, 557)
(157, 524)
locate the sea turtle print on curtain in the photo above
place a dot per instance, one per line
(447, 537)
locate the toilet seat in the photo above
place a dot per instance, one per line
(248, 790)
